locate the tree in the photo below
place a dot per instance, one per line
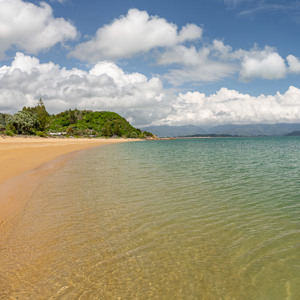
(117, 130)
(2, 119)
(72, 117)
(23, 122)
(41, 114)
(106, 130)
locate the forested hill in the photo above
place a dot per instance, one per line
(37, 121)
(94, 123)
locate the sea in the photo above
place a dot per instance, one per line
(210, 218)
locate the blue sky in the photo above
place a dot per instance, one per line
(154, 62)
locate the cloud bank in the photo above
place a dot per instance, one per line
(31, 28)
(142, 100)
(104, 87)
(231, 107)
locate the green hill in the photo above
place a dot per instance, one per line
(93, 123)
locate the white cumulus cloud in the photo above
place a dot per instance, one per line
(217, 61)
(135, 33)
(30, 27)
(229, 106)
(192, 65)
(294, 64)
(265, 64)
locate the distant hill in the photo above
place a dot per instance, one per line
(230, 129)
(175, 131)
(257, 129)
(208, 135)
(294, 133)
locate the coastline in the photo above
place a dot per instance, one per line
(25, 161)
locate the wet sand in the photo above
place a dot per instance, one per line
(24, 161)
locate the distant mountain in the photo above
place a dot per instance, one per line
(175, 131)
(213, 135)
(257, 129)
(230, 129)
(294, 133)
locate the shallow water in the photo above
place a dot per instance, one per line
(177, 219)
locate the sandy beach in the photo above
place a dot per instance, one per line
(24, 161)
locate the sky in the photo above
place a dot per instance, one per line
(175, 63)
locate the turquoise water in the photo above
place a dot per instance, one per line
(174, 219)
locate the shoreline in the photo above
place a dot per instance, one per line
(25, 161)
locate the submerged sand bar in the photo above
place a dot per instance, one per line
(20, 155)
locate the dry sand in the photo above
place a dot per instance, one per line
(24, 161)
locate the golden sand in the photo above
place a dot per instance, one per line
(25, 160)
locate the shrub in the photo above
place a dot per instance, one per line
(41, 134)
(70, 131)
(9, 133)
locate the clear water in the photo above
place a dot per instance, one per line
(176, 219)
